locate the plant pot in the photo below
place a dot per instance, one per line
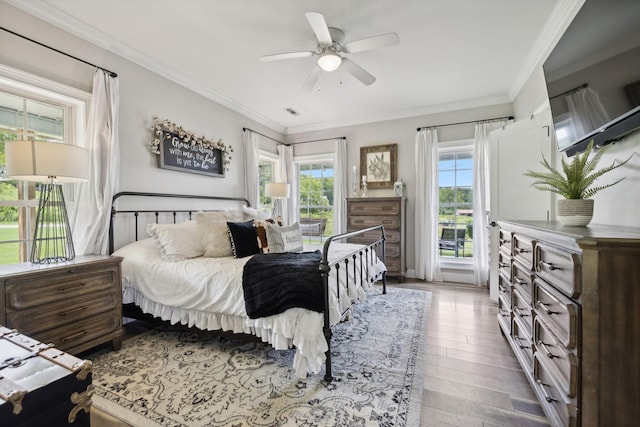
(575, 212)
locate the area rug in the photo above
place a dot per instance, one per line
(189, 378)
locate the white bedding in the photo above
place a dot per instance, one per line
(207, 293)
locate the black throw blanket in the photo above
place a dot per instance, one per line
(275, 282)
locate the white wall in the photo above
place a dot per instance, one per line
(143, 95)
(617, 205)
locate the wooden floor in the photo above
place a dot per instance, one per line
(472, 377)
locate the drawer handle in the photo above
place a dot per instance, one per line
(516, 309)
(73, 286)
(546, 350)
(549, 265)
(75, 310)
(503, 241)
(520, 345)
(544, 392)
(521, 250)
(544, 308)
(519, 281)
(74, 336)
(503, 265)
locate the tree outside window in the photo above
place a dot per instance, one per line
(316, 200)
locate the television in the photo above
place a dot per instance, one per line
(593, 75)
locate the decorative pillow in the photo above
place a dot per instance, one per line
(177, 241)
(284, 239)
(261, 232)
(243, 239)
(255, 214)
(214, 235)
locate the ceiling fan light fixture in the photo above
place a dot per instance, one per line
(329, 61)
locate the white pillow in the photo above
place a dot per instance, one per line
(286, 238)
(255, 214)
(214, 236)
(177, 241)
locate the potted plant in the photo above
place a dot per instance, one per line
(575, 183)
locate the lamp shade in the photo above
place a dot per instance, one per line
(42, 161)
(329, 61)
(277, 189)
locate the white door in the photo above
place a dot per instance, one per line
(515, 149)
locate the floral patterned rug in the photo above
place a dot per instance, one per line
(189, 378)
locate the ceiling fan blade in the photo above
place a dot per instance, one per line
(358, 72)
(290, 55)
(383, 40)
(311, 81)
(319, 26)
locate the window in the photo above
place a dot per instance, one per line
(43, 111)
(315, 179)
(266, 173)
(455, 174)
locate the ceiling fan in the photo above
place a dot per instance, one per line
(331, 51)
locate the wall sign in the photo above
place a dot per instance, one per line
(182, 151)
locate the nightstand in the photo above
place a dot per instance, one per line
(74, 305)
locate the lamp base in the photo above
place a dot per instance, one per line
(52, 242)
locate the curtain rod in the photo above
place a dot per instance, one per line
(59, 51)
(464, 123)
(567, 92)
(293, 143)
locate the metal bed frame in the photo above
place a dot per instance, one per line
(365, 254)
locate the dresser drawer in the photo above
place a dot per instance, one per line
(562, 361)
(522, 279)
(393, 266)
(522, 248)
(554, 401)
(558, 312)
(24, 292)
(504, 264)
(391, 236)
(504, 314)
(75, 309)
(522, 309)
(360, 222)
(504, 288)
(505, 242)
(377, 207)
(523, 340)
(68, 336)
(559, 267)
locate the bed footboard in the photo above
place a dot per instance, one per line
(363, 275)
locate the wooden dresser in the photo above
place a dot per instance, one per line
(387, 211)
(75, 305)
(569, 306)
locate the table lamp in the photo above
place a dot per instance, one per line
(277, 191)
(51, 164)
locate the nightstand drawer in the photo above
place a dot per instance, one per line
(71, 310)
(75, 334)
(27, 292)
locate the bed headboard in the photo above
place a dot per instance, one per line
(131, 211)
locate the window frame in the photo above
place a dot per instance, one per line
(266, 156)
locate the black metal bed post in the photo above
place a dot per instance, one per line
(384, 273)
(326, 327)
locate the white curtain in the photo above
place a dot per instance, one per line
(251, 160)
(340, 187)
(481, 200)
(287, 173)
(585, 111)
(91, 213)
(427, 206)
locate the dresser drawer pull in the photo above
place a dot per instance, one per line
(544, 308)
(516, 310)
(519, 281)
(75, 310)
(521, 250)
(503, 265)
(543, 346)
(549, 265)
(75, 285)
(74, 336)
(546, 396)
(503, 241)
(521, 345)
